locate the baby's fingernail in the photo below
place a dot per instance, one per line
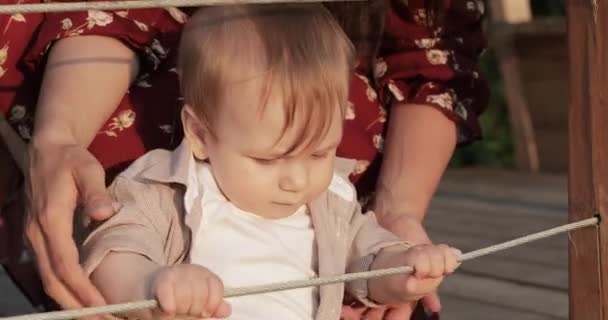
(456, 252)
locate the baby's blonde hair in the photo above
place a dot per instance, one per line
(299, 50)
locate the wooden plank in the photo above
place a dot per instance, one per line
(539, 301)
(543, 69)
(532, 60)
(524, 254)
(548, 190)
(588, 156)
(526, 264)
(542, 263)
(503, 211)
(456, 308)
(480, 234)
(487, 227)
(536, 203)
(553, 154)
(475, 208)
(506, 269)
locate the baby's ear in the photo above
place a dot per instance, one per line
(194, 132)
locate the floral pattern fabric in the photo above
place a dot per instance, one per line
(418, 62)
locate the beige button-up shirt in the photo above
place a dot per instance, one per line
(161, 204)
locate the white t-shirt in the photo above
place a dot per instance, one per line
(244, 249)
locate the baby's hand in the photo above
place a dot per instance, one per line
(188, 290)
(430, 262)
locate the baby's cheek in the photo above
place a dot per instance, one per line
(325, 176)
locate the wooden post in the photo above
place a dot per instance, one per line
(504, 14)
(522, 130)
(588, 160)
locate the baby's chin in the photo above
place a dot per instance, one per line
(272, 210)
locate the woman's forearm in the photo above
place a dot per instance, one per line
(419, 144)
(84, 81)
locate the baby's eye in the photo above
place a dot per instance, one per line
(264, 161)
(320, 155)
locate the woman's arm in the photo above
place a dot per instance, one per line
(84, 81)
(428, 68)
(419, 144)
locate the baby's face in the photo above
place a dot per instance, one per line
(252, 158)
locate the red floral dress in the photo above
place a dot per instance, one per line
(419, 63)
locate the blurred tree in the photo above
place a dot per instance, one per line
(548, 7)
(496, 147)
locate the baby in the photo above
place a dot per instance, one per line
(255, 193)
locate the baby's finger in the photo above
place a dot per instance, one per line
(422, 265)
(411, 286)
(436, 261)
(452, 258)
(223, 310)
(166, 298)
(183, 298)
(200, 294)
(215, 295)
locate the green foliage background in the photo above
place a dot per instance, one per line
(496, 147)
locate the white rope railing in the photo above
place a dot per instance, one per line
(131, 4)
(243, 291)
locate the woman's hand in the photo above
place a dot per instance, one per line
(84, 81)
(62, 176)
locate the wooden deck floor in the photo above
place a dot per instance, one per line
(474, 209)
